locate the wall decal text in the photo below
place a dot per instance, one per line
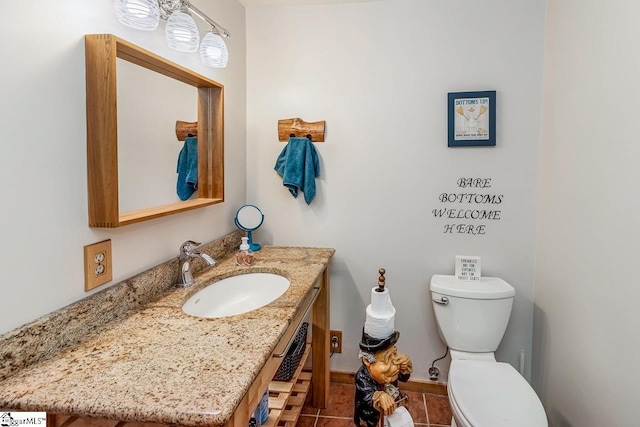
(472, 202)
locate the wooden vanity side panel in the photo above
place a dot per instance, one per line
(249, 402)
(320, 344)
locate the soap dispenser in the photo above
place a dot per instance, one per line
(244, 257)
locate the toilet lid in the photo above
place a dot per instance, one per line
(494, 394)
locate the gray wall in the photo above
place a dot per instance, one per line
(586, 289)
(379, 73)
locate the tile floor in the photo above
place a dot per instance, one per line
(429, 410)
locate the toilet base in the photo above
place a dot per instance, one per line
(455, 410)
(478, 390)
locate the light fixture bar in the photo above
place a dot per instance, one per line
(168, 6)
(199, 14)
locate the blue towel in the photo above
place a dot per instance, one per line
(298, 166)
(188, 168)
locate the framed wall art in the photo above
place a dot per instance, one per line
(472, 118)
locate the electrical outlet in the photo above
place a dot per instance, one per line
(336, 341)
(97, 264)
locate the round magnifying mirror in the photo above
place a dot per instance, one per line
(249, 218)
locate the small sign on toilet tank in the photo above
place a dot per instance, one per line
(468, 268)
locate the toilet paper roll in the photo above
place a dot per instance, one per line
(399, 418)
(381, 305)
(379, 326)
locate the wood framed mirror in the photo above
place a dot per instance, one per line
(101, 54)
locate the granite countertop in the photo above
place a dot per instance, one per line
(157, 364)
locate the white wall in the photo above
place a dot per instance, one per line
(586, 316)
(43, 154)
(379, 74)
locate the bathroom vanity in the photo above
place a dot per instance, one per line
(154, 364)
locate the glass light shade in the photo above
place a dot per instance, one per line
(138, 14)
(181, 32)
(213, 51)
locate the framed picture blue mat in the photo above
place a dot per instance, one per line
(472, 118)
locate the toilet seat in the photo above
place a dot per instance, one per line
(493, 394)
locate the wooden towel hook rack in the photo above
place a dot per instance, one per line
(185, 129)
(299, 128)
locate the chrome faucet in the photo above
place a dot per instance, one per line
(187, 253)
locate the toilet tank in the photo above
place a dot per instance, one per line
(471, 316)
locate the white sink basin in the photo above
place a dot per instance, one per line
(236, 295)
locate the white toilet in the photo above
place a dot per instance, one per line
(472, 318)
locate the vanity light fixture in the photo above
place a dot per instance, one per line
(139, 14)
(181, 31)
(213, 50)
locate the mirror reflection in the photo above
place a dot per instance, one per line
(149, 104)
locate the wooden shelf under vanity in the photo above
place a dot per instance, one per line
(286, 398)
